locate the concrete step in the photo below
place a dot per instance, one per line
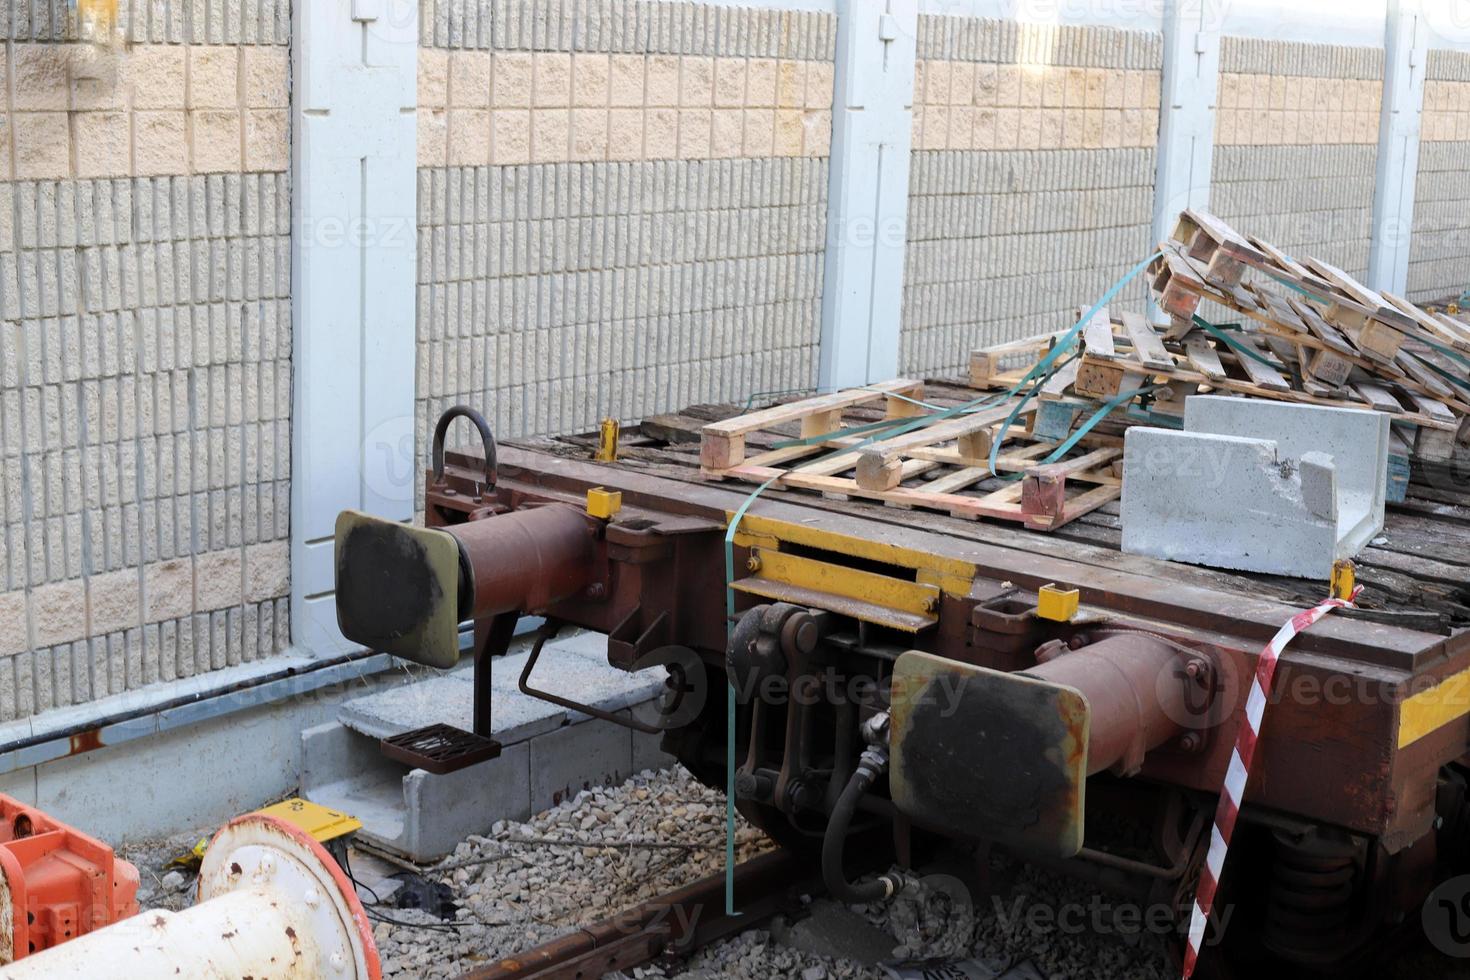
(549, 753)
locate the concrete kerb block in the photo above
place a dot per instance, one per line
(548, 755)
(1257, 486)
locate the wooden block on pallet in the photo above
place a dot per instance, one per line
(1218, 247)
(1374, 338)
(1176, 286)
(821, 423)
(983, 368)
(718, 451)
(1328, 368)
(1101, 379)
(1044, 503)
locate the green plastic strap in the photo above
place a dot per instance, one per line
(1215, 331)
(1047, 365)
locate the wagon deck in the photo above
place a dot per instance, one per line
(1416, 573)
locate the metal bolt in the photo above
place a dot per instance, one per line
(1191, 742)
(313, 898)
(752, 564)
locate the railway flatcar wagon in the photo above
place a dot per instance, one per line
(976, 671)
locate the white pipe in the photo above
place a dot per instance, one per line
(241, 934)
(271, 903)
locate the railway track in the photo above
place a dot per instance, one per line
(674, 925)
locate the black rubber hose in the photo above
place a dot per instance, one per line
(833, 875)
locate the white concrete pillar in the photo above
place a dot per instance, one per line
(1187, 109)
(353, 251)
(1405, 50)
(867, 207)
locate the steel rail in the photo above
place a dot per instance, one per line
(675, 924)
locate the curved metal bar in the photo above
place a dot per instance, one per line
(487, 438)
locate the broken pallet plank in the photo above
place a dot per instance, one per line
(1147, 347)
(1097, 335)
(1203, 357)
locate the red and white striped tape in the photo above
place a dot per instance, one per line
(1240, 769)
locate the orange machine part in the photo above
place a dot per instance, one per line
(58, 883)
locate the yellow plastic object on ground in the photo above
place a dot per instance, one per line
(318, 822)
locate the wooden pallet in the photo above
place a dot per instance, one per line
(936, 466)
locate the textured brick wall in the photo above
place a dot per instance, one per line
(1297, 145)
(1032, 177)
(622, 207)
(145, 341)
(1439, 253)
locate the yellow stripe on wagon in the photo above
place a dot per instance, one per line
(951, 575)
(1430, 710)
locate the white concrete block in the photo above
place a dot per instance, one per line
(578, 757)
(1257, 486)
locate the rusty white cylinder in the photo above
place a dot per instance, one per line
(271, 903)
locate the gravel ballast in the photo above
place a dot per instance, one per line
(608, 850)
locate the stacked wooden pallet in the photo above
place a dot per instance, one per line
(1309, 333)
(931, 455)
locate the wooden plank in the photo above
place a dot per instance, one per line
(722, 444)
(1260, 374)
(1097, 335)
(1379, 397)
(1147, 347)
(1287, 263)
(952, 428)
(1436, 328)
(792, 411)
(1429, 406)
(1058, 383)
(1279, 309)
(1203, 357)
(1320, 328)
(1454, 324)
(1370, 299)
(1416, 370)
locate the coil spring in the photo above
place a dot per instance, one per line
(1310, 903)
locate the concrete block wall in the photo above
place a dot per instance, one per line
(621, 206)
(1296, 145)
(1439, 251)
(145, 344)
(1031, 187)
